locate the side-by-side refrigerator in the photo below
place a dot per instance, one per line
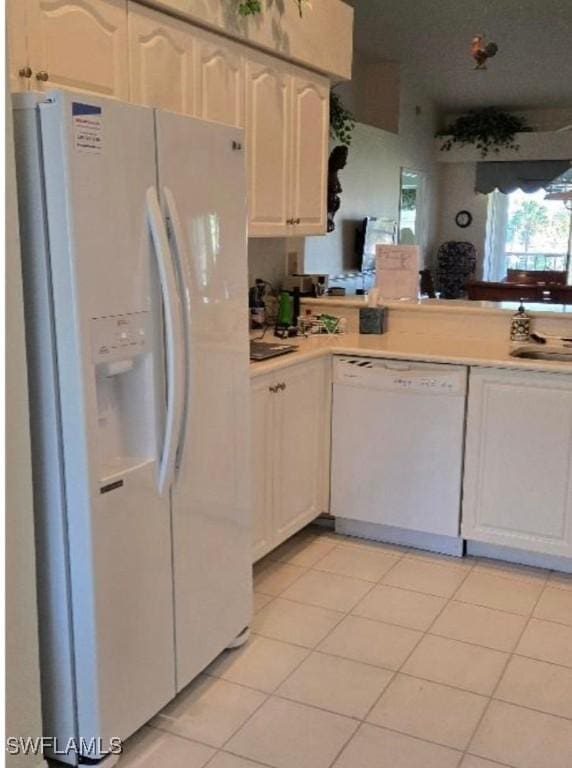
(133, 228)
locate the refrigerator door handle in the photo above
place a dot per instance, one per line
(175, 229)
(174, 340)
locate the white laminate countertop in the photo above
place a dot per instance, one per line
(418, 347)
(449, 305)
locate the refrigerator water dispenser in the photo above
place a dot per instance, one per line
(124, 379)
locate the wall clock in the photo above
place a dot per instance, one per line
(463, 219)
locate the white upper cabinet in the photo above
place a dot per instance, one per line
(80, 45)
(518, 462)
(220, 80)
(287, 120)
(125, 50)
(161, 61)
(268, 146)
(20, 70)
(310, 128)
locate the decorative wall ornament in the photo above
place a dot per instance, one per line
(481, 51)
(337, 161)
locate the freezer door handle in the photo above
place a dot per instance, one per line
(174, 340)
(175, 234)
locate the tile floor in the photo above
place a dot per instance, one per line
(366, 655)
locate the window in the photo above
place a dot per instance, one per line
(527, 232)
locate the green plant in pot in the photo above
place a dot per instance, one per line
(488, 129)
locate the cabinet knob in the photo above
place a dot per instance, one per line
(282, 386)
(289, 221)
(42, 76)
(25, 72)
(273, 388)
(295, 221)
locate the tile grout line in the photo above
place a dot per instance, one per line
(501, 676)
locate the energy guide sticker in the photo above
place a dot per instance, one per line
(87, 128)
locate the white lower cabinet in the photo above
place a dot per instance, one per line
(291, 438)
(518, 461)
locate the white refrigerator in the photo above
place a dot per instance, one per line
(133, 225)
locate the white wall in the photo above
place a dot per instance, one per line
(371, 181)
(23, 706)
(457, 193)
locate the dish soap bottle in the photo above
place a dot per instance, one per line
(520, 325)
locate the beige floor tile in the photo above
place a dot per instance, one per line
(523, 738)
(493, 591)
(272, 578)
(537, 685)
(295, 622)
(460, 563)
(484, 626)
(358, 563)
(400, 606)
(259, 600)
(209, 710)
(340, 685)
(422, 576)
(555, 605)
(149, 748)
(547, 641)
(285, 734)
(304, 551)
(328, 590)
(461, 665)
(429, 710)
(374, 747)
(372, 642)
(469, 761)
(226, 760)
(511, 570)
(261, 663)
(372, 546)
(560, 580)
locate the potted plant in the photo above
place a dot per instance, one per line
(489, 129)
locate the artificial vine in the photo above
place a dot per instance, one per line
(489, 129)
(342, 122)
(254, 7)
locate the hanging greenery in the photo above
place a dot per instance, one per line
(489, 129)
(342, 122)
(254, 7)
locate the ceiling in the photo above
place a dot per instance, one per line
(431, 40)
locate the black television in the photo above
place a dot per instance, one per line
(373, 231)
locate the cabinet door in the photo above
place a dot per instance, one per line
(267, 146)
(220, 80)
(300, 453)
(309, 164)
(20, 71)
(161, 62)
(261, 409)
(79, 44)
(518, 461)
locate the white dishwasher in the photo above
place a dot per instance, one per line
(397, 451)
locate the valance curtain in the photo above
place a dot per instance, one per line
(529, 176)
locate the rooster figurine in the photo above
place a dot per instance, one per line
(482, 52)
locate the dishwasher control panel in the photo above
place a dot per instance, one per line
(401, 375)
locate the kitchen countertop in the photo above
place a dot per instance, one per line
(450, 305)
(418, 347)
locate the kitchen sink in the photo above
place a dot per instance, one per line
(543, 352)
